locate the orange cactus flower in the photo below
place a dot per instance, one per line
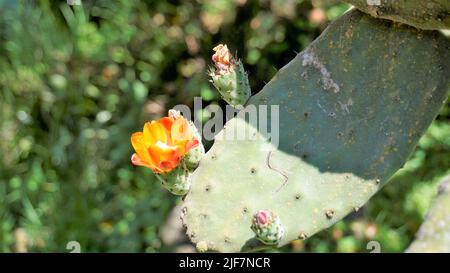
(163, 143)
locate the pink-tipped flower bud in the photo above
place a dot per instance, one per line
(229, 77)
(262, 217)
(267, 227)
(222, 58)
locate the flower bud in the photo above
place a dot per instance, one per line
(267, 227)
(176, 181)
(229, 77)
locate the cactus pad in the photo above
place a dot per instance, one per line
(423, 14)
(434, 234)
(352, 107)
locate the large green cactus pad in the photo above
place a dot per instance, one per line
(352, 107)
(423, 14)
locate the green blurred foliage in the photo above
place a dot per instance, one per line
(75, 82)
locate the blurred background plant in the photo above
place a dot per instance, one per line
(76, 82)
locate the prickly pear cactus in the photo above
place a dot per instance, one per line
(423, 14)
(352, 107)
(434, 234)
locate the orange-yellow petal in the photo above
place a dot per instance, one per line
(137, 140)
(155, 131)
(181, 132)
(161, 153)
(136, 160)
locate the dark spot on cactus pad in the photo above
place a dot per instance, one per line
(184, 210)
(297, 147)
(302, 236)
(377, 181)
(192, 235)
(306, 114)
(298, 196)
(329, 213)
(253, 170)
(207, 187)
(214, 156)
(442, 15)
(244, 210)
